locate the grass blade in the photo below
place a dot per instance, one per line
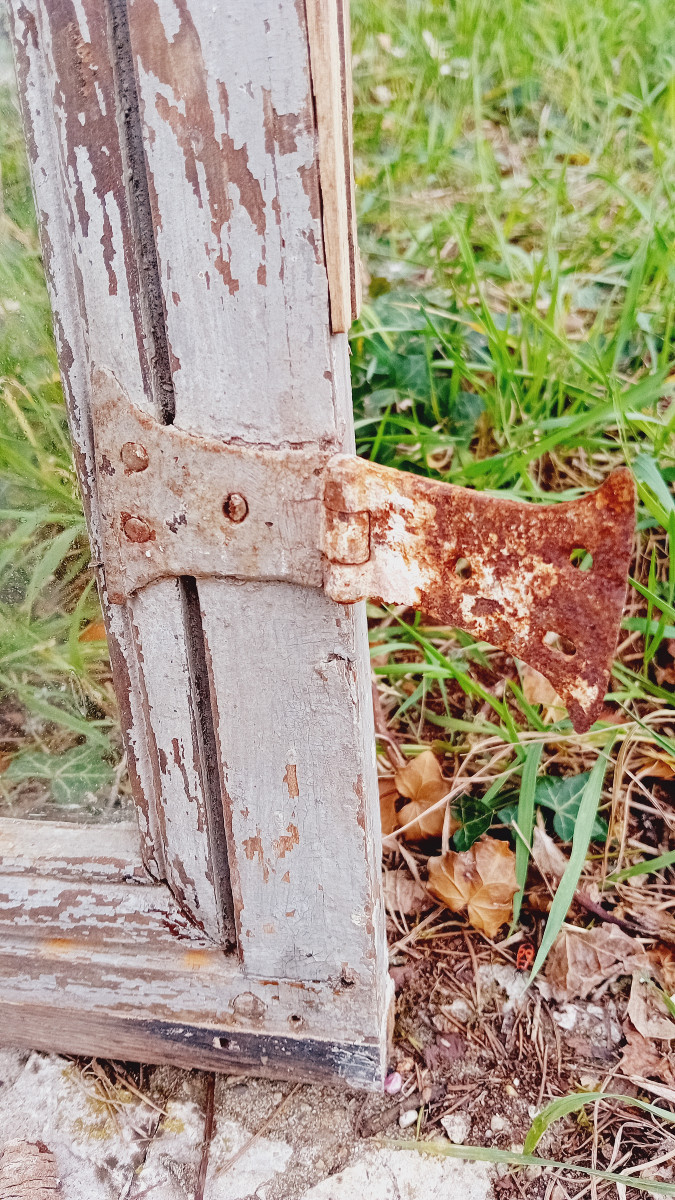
(582, 836)
(643, 868)
(574, 1103)
(491, 1155)
(525, 821)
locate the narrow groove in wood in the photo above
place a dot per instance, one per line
(140, 210)
(154, 315)
(208, 752)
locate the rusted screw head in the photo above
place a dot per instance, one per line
(136, 529)
(134, 456)
(235, 507)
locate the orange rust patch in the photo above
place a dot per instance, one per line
(285, 844)
(59, 947)
(198, 960)
(291, 781)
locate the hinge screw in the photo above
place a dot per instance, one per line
(235, 507)
(136, 529)
(134, 456)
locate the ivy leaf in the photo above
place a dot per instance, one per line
(71, 775)
(562, 797)
(475, 822)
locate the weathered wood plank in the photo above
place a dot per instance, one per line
(67, 851)
(327, 62)
(81, 155)
(210, 1047)
(116, 968)
(231, 145)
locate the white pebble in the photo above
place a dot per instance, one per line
(408, 1118)
(456, 1126)
(498, 1124)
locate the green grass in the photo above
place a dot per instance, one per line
(514, 164)
(61, 684)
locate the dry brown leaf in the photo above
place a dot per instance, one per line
(482, 880)
(93, 632)
(548, 856)
(640, 1057)
(647, 1011)
(388, 798)
(538, 690)
(404, 894)
(581, 959)
(421, 781)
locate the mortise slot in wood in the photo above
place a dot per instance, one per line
(203, 703)
(140, 211)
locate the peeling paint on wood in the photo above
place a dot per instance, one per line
(243, 350)
(66, 851)
(80, 168)
(231, 144)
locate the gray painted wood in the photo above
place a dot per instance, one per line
(248, 706)
(228, 126)
(80, 173)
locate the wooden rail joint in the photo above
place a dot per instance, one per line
(545, 583)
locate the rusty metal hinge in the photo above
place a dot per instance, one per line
(175, 503)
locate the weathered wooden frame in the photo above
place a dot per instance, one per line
(191, 167)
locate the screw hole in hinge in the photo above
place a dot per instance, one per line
(463, 568)
(581, 558)
(560, 643)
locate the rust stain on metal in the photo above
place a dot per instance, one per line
(510, 573)
(183, 514)
(291, 781)
(505, 571)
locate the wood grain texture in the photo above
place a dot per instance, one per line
(243, 351)
(81, 176)
(325, 27)
(348, 151)
(228, 127)
(209, 1048)
(60, 849)
(113, 967)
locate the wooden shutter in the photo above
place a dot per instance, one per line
(187, 220)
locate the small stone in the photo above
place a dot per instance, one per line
(460, 1010)
(498, 1124)
(532, 1111)
(277, 1097)
(393, 1083)
(408, 1118)
(457, 1126)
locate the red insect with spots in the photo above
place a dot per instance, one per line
(525, 956)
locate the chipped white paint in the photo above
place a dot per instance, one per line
(239, 241)
(79, 176)
(230, 147)
(85, 852)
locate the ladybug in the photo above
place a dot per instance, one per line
(525, 956)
